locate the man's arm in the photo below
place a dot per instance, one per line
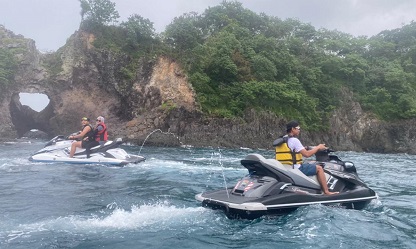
(82, 134)
(309, 153)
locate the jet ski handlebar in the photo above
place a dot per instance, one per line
(324, 155)
(327, 151)
(72, 134)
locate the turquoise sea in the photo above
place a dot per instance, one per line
(152, 205)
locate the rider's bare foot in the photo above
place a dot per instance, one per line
(331, 193)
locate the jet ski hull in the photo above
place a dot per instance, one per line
(272, 188)
(57, 150)
(252, 208)
(54, 158)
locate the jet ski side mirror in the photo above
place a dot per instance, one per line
(350, 167)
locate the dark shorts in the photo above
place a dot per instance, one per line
(308, 169)
(89, 144)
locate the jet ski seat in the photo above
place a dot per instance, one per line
(294, 174)
(108, 145)
(311, 179)
(103, 147)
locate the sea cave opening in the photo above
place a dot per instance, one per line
(36, 101)
(30, 114)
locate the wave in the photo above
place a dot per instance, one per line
(156, 217)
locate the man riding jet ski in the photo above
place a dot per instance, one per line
(274, 188)
(58, 150)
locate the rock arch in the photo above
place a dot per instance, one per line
(25, 118)
(80, 80)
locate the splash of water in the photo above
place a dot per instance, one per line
(166, 133)
(223, 175)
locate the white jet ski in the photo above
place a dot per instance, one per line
(58, 148)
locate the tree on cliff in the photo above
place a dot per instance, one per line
(98, 11)
(8, 67)
(139, 30)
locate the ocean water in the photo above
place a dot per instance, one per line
(152, 205)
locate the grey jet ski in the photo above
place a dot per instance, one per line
(273, 188)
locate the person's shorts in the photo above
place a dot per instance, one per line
(308, 169)
(89, 144)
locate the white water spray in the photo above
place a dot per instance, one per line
(223, 175)
(166, 133)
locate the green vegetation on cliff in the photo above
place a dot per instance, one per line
(8, 58)
(7, 67)
(237, 59)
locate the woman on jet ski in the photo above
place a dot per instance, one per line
(100, 131)
(87, 135)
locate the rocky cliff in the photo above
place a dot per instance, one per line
(81, 80)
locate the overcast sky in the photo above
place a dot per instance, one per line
(51, 22)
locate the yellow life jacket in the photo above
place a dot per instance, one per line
(284, 154)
